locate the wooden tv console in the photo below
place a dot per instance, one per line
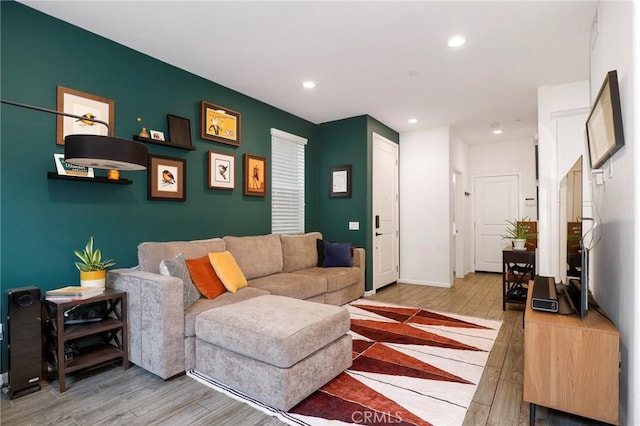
(571, 364)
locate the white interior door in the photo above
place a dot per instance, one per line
(458, 226)
(385, 212)
(496, 201)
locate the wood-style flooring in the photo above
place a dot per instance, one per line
(111, 396)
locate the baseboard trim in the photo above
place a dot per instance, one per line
(429, 283)
(369, 293)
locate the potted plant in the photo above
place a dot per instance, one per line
(518, 233)
(93, 269)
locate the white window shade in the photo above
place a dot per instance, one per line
(287, 183)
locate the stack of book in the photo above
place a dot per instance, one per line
(66, 294)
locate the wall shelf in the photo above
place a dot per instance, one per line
(97, 179)
(163, 143)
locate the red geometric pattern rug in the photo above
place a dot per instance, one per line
(410, 367)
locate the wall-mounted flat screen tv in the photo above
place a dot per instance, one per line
(604, 125)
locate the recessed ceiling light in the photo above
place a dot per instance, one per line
(309, 84)
(412, 120)
(456, 41)
(497, 132)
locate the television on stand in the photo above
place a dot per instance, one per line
(574, 256)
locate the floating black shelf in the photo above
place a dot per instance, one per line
(97, 179)
(163, 143)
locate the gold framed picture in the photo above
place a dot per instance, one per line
(222, 171)
(167, 178)
(219, 124)
(255, 175)
(85, 105)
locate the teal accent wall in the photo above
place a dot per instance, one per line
(42, 221)
(342, 142)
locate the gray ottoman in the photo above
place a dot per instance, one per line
(276, 349)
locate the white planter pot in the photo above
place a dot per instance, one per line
(519, 244)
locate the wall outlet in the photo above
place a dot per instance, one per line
(354, 226)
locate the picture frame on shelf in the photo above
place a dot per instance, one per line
(219, 124)
(255, 175)
(222, 171)
(156, 135)
(83, 104)
(340, 181)
(66, 169)
(167, 178)
(179, 131)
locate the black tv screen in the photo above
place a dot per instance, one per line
(604, 124)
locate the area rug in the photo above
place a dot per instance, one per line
(411, 366)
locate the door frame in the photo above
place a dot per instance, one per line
(458, 236)
(377, 137)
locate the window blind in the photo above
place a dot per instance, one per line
(287, 183)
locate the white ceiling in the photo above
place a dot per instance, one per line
(387, 59)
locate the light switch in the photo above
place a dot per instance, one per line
(354, 226)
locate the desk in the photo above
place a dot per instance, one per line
(571, 364)
(518, 268)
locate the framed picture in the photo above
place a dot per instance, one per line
(219, 124)
(222, 171)
(85, 105)
(255, 175)
(167, 178)
(179, 130)
(340, 181)
(66, 169)
(156, 135)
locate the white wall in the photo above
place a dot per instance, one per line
(561, 140)
(425, 207)
(460, 163)
(616, 271)
(509, 157)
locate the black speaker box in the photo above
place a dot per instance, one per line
(24, 340)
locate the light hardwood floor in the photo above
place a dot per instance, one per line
(110, 395)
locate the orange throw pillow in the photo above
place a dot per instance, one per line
(204, 277)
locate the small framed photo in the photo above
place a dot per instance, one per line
(66, 169)
(85, 105)
(167, 178)
(222, 171)
(219, 124)
(156, 135)
(340, 181)
(179, 131)
(255, 175)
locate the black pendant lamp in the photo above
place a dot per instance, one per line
(100, 152)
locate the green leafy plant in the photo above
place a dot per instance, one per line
(518, 230)
(91, 260)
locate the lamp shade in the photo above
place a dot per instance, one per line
(105, 152)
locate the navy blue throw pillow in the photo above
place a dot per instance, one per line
(336, 254)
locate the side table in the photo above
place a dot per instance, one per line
(518, 268)
(108, 331)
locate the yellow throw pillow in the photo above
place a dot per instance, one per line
(228, 271)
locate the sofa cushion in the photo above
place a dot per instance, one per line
(204, 277)
(277, 330)
(150, 254)
(227, 269)
(336, 254)
(299, 251)
(336, 278)
(291, 284)
(203, 305)
(176, 267)
(257, 256)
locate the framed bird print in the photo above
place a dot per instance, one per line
(222, 171)
(84, 105)
(167, 178)
(219, 124)
(255, 175)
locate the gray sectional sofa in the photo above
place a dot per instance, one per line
(161, 330)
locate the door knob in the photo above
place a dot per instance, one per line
(378, 234)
